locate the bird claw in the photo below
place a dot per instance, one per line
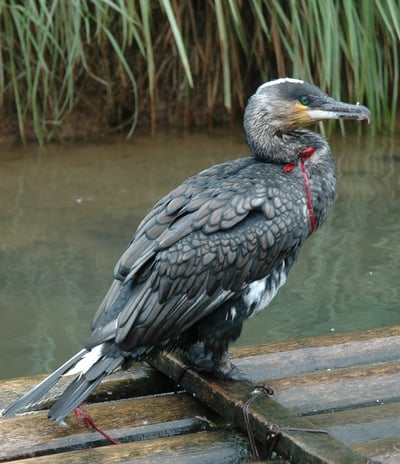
(227, 370)
(220, 367)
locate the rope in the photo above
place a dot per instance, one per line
(305, 154)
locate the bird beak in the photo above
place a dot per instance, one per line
(332, 109)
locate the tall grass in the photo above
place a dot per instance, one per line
(117, 62)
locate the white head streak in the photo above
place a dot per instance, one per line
(281, 80)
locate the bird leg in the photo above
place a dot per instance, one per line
(219, 365)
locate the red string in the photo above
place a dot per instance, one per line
(304, 155)
(89, 423)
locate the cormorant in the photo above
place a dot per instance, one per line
(215, 250)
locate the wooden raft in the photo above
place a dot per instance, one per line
(336, 400)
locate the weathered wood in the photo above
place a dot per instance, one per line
(352, 434)
(339, 389)
(301, 360)
(219, 447)
(312, 342)
(383, 451)
(345, 384)
(228, 399)
(137, 419)
(373, 431)
(357, 415)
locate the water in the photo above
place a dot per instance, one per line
(68, 212)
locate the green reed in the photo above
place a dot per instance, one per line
(184, 62)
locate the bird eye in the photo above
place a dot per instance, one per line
(304, 100)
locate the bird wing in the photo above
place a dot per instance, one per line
(196, 249)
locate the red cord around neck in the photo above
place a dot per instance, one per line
(304, 155)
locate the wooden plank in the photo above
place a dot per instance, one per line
(361, 425)
(309, 376)
(310, 342)
(136, 419)
(228, 399)
(383, 451)
(316, 358)
(140, 380)
(219, 447)
(88, 440)
(357, 416)
(352, 434)
(339, 389)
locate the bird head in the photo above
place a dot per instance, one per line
(283, 105)
(291, 103)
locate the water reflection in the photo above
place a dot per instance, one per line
(68, 212)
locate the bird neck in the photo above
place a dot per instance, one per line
(316, 169)
(283, 148)
(305, 155)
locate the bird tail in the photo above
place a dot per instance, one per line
(92, 366)
(81, 387)
(40, 390)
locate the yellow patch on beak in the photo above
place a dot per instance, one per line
(299, 114)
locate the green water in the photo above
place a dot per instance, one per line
(68, 212)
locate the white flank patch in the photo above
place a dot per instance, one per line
(280, 81)
(259, 296)
(87, 361)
